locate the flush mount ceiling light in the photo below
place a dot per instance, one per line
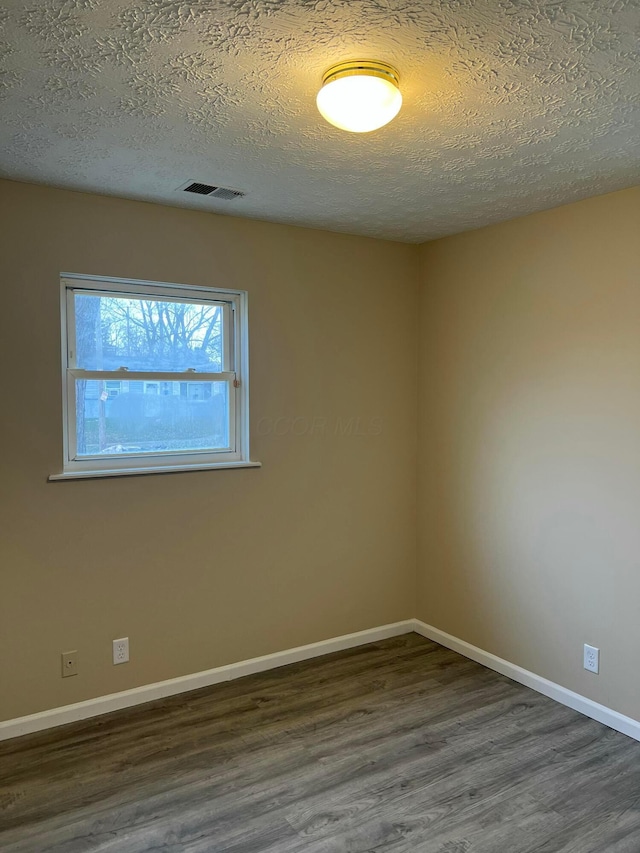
(360, 95)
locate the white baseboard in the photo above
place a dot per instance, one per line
(588, 707)
(161, 689)
(183, 684)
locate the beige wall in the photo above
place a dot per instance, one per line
(529, 520)
(529, 463)
(201, 569)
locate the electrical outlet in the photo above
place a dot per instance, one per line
(121, 650)
(591, 658)
(69, 663)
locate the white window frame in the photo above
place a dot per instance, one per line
(236, 378)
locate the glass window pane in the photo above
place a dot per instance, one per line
(147, 334)
(176, 416)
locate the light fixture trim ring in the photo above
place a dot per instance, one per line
(362, 67)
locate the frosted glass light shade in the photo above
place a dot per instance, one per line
(360, 96)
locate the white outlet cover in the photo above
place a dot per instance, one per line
(591, 658)
(121, 650)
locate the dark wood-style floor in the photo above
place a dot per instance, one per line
(396, 746)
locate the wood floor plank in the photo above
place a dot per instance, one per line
(393, 747)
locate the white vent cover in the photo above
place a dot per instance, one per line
(198, 188)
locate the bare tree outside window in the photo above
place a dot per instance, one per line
(115, 332)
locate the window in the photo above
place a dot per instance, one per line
(155, 377)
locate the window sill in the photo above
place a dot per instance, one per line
(128, 472)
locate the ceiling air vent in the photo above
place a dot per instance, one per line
(200, 189)
(225, 193)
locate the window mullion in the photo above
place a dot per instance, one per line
(151, 375)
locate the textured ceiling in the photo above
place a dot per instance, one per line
(510, 106)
